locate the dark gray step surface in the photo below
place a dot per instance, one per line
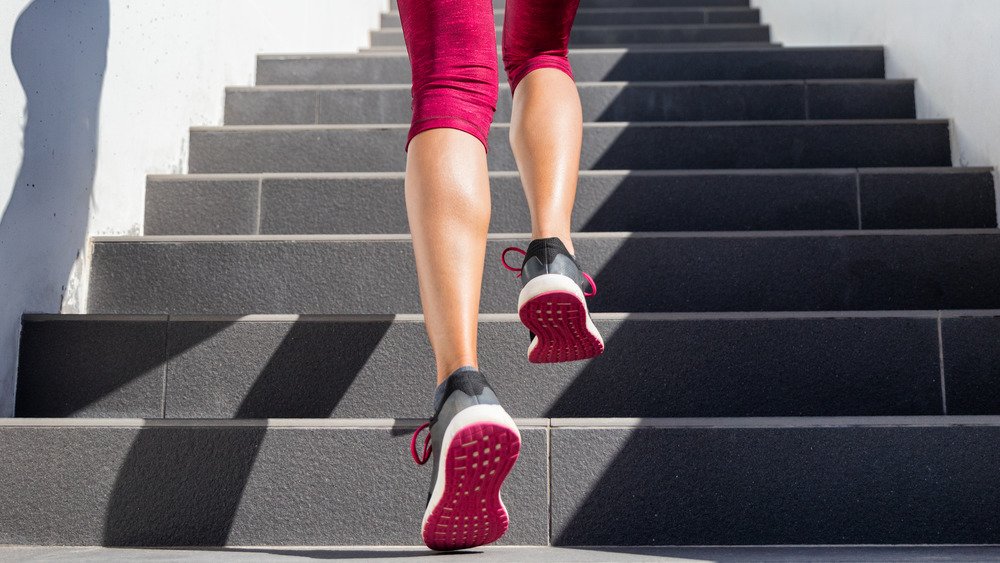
(634, 16)
(585, 4)
(915, 198)
(895, 480)
(594, 65)
(702, 46)
(184, 483)
(614, 101)
(777, 483)
(523, 554)
(638, 272)
(631, 34)
(606, 146)
(666, 365)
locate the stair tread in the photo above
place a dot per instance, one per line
(610, 145)
(491, 554)
(263, 484)
(740, 364)
(783, 270)
(292, 56)
(790, 422)
(677, 62)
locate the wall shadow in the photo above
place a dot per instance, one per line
(59, 50)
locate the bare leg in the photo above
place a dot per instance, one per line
(546, 135)
(448, 205)
(452, 47)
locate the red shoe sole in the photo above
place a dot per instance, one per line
(470, 512)
(559, 321)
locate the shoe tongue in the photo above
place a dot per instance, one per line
(441, 393)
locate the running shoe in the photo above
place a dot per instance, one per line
(474, 444)
(553, 304)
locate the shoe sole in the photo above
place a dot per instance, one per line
(480, 448)
(554, 308)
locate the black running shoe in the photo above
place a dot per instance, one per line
(474, 443)
(553, 304)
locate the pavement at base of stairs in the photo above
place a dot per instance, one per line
(830, 554)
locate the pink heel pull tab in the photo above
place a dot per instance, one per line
(593, 285)
(427, 445)
(503, 258)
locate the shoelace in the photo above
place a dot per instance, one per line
(427, 444)
(503, 258)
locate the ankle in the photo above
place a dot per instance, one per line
(563, 237)
(446, 370)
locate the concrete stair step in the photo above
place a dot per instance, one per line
(578, 482)
(527, 554)
(582, 35)
(828, 363)
(606, 146)
(651, 272)
(595, 65)
(702, 46)
(587, 4)
(635, 16)
(602, 101)
(649, 201)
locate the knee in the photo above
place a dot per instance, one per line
(519, 67)
(464, 100)
(536, 35)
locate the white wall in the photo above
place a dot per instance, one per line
(94, 95)
(952, 48)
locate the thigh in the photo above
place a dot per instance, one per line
(449, 42)
(452, 46)
(534, 27)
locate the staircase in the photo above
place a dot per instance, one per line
(812, 359)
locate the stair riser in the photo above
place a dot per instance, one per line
(945, 198)
(726, 485)
(184, 486)
(613, 146)
(727, 367)
(634, 274)
(636, 16)
(775, 486)
(689, 46)
(584, 4)
(584, 36)
(598, 65)
(601, 102)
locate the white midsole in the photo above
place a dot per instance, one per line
(547, 283)
(478, 414)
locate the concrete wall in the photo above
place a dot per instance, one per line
(94, 95)
(950, 47)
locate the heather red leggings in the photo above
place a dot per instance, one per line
(452, 46)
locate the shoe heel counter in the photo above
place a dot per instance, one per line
(468, 389)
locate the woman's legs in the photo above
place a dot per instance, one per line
(546, 133)
(452, 48)
(448, 205)
(547, 121)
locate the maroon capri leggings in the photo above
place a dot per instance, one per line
(452, 46)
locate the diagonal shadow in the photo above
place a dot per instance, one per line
(155, 496)
(59, 50)
(182, 486)
(639, 473)
(306, 380)
(68, 368)
(645, 201)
